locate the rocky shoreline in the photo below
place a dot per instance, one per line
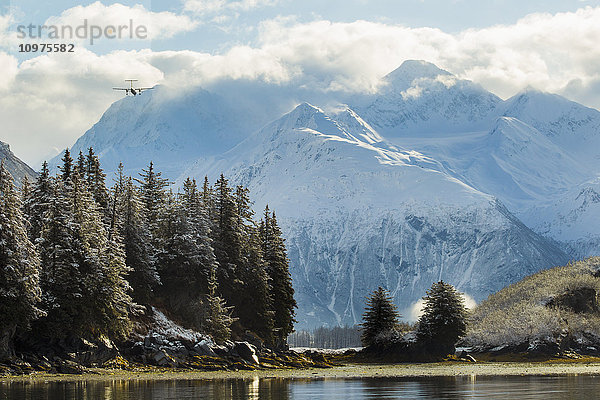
(350, 371)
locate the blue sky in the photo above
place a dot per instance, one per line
(48, 100)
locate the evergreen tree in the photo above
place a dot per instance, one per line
(96, 182)
(207, 196)
(180, 261)
(216, 316)
(83, 283)
(199, 221)
(282, 291)
(227, 241)
(60, 253)
(153, 195)
(67, 168)
(253, 305)
(139, 255)
(102, 266)
(37, 204)
(444, 319)
(380, 318)
(19, 267)
(80, 168)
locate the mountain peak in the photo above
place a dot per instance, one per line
(410, 70)
(17, 168)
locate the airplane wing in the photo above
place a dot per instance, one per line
(118, 88)
(145, 88)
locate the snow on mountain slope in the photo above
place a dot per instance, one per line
(532, 151)
(568, 124)
(358, 212)
(512, 161)
(420, 98)
(170, 129)
(17, 168)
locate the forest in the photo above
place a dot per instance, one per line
(81, 259)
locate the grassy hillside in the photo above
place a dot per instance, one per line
(557, 309)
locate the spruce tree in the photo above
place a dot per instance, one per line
(153, 195)
(38, 203)
(199, 221)
(444, 319)
(66, 170)
(180, 261)
(102, 269)
(216, 315)
(61, 255)
(139, 255)
(380, 318)
(277, 267)
(227, 241)
(19, 267)
(254, 303)
(83, 268)
(96, 182)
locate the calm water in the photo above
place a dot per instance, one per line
(567, 387)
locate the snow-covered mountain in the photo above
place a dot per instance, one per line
(431, 178)
(359, 212)
(418, 98)
(17, 168)
(171, 129)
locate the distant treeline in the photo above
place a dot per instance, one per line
(327, 338)
(77, 259)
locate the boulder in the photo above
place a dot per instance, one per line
(203, 348)
(70, 367)
(163, 359)
(246, 351)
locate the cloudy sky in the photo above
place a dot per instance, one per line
(47, 101)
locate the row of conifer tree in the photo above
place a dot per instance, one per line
(79, 259)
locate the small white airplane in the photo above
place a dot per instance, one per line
(131, 90)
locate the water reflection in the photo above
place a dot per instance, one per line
(466, 387)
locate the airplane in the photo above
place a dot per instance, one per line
(131, 89)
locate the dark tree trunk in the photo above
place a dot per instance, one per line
(7, 349)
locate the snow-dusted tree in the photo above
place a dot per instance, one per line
(139, 255)
(66, 170)
(95, 179)
(277, 267)
(102, 269)
(444, 319)
(196, 214)
(254, 305)
(380, 318)
(216, 315)
(19, 267)
(83, 268)
(227, 240)
(37, 203)
(152, 195)
(60, 253)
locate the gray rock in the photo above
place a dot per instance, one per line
(246, 351)
(203, 348)
(70, 367)
(163, 359)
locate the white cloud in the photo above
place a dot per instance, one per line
(159, 25)
(416, 310)
(557, 53)
(203, 7)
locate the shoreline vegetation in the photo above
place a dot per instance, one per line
(553, 367)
